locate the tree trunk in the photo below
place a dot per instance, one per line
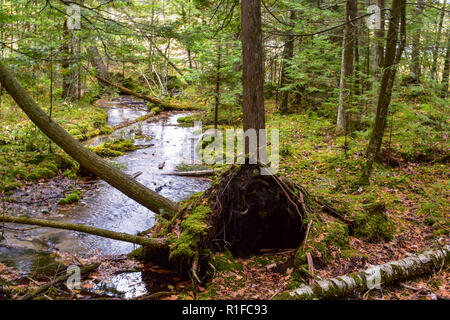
(97, 62)
(84, 156)
(149, 242)
(373, 277)
(378, 45)
(391, 59)
(348, 44)
(445, 73)
(252, 75)
(288, 54)
(415, 71)
(437, 43)
(69, 83)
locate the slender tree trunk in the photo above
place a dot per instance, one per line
(378, 45)
(97, 62)
(348, 44)
(391, 59)
(216, 111)
(415, 69)
(288, 54)
(252, 75)
(446, 71)
(84, 156)
(69, 74)
(437, 42)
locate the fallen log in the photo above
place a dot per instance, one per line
(373, 277)
(153, 243)
(202, 173)
(162, 104)
(85, 157)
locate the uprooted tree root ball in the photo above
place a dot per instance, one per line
(244, 211)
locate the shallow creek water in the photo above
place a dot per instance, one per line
(107, 207)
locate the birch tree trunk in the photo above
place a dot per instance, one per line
(373, 277)
(378, 46)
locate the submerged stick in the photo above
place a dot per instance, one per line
(373, 277)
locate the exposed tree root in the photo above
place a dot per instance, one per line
(244, 212)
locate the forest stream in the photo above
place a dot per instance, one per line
(29, 250)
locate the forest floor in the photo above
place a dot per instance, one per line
(410, 181)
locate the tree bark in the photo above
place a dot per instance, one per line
(148, 242)
(391, 59)
(371, 278)
(82, 155)
(348, 44)
(378, 45)
(446, 71)
(97, 62)
(69, 76)
(288, 54)
(415, 69)
(437, 42)
(252, 75)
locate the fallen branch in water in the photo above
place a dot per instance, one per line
(147, 242)
(373, 277)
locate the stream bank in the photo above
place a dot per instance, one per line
(23, 248)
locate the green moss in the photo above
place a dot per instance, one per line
(106, 130)
(373, 225)
(74, 196)
(225, 262)
(114, 148)
(193, 230)
(41, 173)
(105, 152)
(12, 186)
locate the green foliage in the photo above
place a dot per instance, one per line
(73, 197)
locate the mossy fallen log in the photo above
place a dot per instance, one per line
(146, 242)
(162, 104)
(373, 277)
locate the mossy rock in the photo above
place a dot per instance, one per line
(105, 152)
(373, 225)
(73, 197)
(12, 186)
(41, 173)
(106, 130)
(225, 262)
